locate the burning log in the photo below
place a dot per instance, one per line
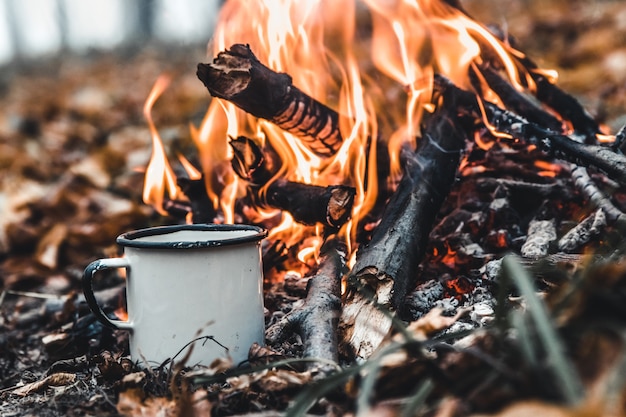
(238, 76)
(308, 204)
(561, 102)
(317, 320)
(249, 161)
(513, 99)
(561, 146)
(545, 90)
(386, 267)
(311, 204)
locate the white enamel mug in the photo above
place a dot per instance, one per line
(201, 282)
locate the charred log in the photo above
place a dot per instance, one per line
(558, 145)
(311, 204)
(514, 100)
(561, 102)
(238, 76)
(385, 268)
(556, 189)
(308, 204)
(249, 161)
(317, 320)
(548, 93)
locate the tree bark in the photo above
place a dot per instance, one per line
(308, 204)
(317, 320)
(386, 267)
(238, 76)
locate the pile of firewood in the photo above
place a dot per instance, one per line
(435, 318)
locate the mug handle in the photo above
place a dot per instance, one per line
(88, 276)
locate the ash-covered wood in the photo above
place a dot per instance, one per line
(238, 76)
(555, 189)
(583, 232)
(590, 190)
(386, 267)
(317, 319)
(541, 234)
(308, 204)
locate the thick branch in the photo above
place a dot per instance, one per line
(561, 146)
(311, 204)
(316, 321)
(238, 76)
(386, 267)
(308, 204)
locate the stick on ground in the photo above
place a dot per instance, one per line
(308, 204)
(316, 321)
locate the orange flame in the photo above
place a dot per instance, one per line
(159, 176)
(313, 41)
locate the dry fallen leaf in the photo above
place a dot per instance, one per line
(433, 322)
(132, 404)
(54, 380)
(532, 409)
(47, 252)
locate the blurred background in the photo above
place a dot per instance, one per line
(35, 28)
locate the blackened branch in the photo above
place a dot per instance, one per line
(308, 204)
(385, 268)
(556, 144)
(238, 76)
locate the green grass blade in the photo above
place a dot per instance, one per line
(568, 380)
(417, 400)
(518, 322)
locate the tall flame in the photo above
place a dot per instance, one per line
(159, 177)
(382, 97)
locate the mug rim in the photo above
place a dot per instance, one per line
(129, 239)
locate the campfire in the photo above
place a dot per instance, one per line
(319, 141)
(434, 202)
